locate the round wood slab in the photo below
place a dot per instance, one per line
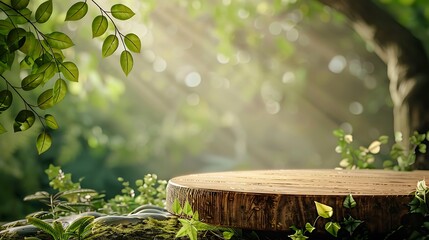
(277, 199)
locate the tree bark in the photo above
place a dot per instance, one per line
(274, 200)
(406, 60)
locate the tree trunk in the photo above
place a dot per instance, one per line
(406, 60)
(274, 200)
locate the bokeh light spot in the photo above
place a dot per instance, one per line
(193, 79)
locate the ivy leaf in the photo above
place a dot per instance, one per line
(44, 142)
(77, 11)
(45, 100)
(5, 100)
(15, 39)
(2, 129)
(349, 202)
(110, 45)
(19, 4)
(121, 12)
(351, 224)
(126, 62)
(70, 71)
(59, 91)
(99, 26)
(44, 12)
(310, 228)
(133, 42)
(24, 120)
(323, 210)
(59, 40)
(176, 208)
(51, 122)
(187, 209)
(31, 81)
(332, 228)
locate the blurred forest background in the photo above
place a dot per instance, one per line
(219, 85)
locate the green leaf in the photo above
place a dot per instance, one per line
(48, 70)
(15, 39)
(228, 234)
(5, 27)
(45, 100)
(349, 202)
(132, 42)
(182, 231)
(121, 12)
(21, 17)
(44, 12)
(59, 91)
(323, 210)
(24, 120)
(176, 208)
(77, 223)
(42, 225)
(310, 228)
(6, 98)
(187, 209)
(70, 71)
(51, 122)
(351, 224)
(59, 40)
(37, 196)
(31, 81)
(2, 129)
(126, 62)
(31, 45)
(77, 11)
(110, 45)
(19, 4)
(44, 142)
(99, 26)
(332, 228)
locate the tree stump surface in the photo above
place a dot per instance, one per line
(274, 200)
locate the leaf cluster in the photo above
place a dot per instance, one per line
(401, 159)
(80, 228)
(357, 158)
(149, 190)
(191, 224)
(347, 227)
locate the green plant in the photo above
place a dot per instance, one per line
(364, 157)
(405, 158)
(191, 224)
(149, 190)
(349, 225)
(69, 198)
(357, 158)
(80, 228)
(40, 57)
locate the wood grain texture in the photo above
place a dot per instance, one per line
(277, 199)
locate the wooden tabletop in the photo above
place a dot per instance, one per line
(278, 199)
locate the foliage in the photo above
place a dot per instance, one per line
(191, 224)
(150, 190)
(80, 228)
(364, 157)
(41, 56)
(70, 198)
(348, 225)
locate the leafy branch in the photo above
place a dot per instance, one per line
(41, 55)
